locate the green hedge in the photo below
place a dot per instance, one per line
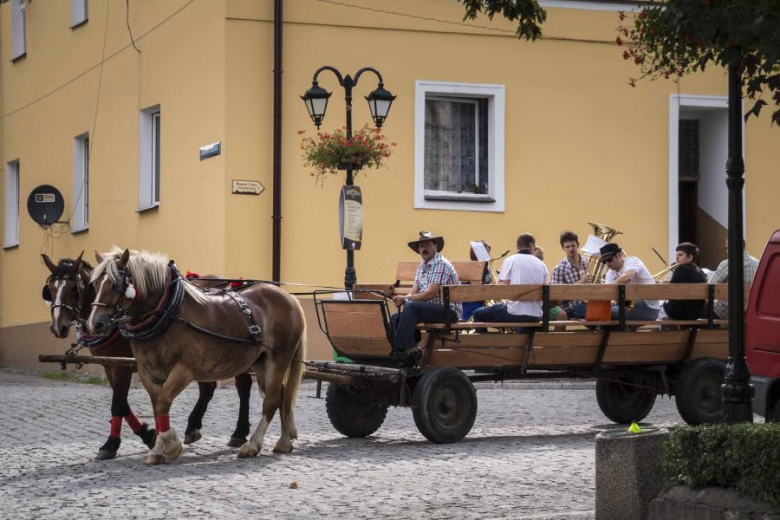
(745, 457)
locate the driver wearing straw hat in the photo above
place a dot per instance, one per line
(423, 303)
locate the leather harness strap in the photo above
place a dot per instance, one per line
(254, 329)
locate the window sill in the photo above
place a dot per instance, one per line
(80, 24)
(148, 209)
(12, 246)
(79, 231)
(19, 58)
(487, 199)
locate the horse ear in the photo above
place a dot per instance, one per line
(77, 263)
(122, 263)
(98, 257)
(48, 262)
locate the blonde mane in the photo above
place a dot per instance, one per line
(148, 270)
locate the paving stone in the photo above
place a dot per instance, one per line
(530, 455)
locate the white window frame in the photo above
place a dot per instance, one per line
(149, 161)
(18, 29)
(493, 201)
(11, 237)
(80, 218)
(79, 13)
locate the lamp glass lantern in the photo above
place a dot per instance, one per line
(316, 100)
(379, 102)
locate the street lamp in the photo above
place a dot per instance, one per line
(736, 392)
(379, 102)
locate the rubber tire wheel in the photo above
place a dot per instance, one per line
(350, 415)
(773, 415)
(624, 403)
(697, 392)
(444, 405)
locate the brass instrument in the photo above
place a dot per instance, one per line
(666, 275)
(596, 270)
(493, 274)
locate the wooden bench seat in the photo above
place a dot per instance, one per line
(565, 323)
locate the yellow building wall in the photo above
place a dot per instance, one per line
(181, 67)
(581, 144)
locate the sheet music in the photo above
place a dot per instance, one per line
(593, 245)
(480, 251)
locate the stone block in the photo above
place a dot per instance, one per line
(628, 472)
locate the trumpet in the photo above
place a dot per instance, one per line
(666, 275)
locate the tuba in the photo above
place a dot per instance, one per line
(596, 270)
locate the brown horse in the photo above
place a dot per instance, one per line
(180, 333)
(68, 294)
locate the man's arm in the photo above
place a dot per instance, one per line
(430, 293)
(626, 277)
(400, 300)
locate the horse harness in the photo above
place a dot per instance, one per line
(157, 321)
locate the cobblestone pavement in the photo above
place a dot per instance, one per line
(529, 456)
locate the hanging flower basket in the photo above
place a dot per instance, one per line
(328, 152)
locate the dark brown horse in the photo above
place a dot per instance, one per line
(179, 334)
(68, 294)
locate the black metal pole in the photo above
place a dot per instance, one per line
(276, 248)
(736, 392)
(350, 275)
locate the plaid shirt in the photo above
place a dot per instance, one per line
(749, 266)
(566, 272)
(439, 270)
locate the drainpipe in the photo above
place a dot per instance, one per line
(277, 153)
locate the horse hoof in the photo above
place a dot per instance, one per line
(154, 460)
(247, 451)
(172, 455)
(283, 447)
(236, 442)
(105, 455)
(149, 437)
(193, 436)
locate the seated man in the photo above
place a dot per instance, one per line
(572, 269)
(521, 268)
(629, 270)
(423, 303)
(686, 272)
(470, 307)
(721, 275)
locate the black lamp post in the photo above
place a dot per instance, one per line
(736, 392)
(379, 101)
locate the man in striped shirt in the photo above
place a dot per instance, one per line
(423, 303)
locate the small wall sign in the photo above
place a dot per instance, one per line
(248, 187)
(210, 150)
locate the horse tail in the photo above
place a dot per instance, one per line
(294, 375)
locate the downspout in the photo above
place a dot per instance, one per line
(277, 153)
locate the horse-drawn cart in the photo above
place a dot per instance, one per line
(632, 361)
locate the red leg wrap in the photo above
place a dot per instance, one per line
(116, 426)
(133, 422)
(163, 423)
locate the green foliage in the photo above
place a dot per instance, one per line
(745, 457)
(327, 152)
(527, 13)
(678, 37)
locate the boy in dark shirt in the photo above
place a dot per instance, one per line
(686, 272)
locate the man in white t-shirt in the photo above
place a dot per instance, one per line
(629, 270)
(519, 269)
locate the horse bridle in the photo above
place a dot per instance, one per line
(46, 294)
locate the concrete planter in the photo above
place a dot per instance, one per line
(684, 503)
(628, 472)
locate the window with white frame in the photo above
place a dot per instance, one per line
(80, 12)
(459, 146)
(80, 218)
(149, 178)
(18, 30)
(11, 237)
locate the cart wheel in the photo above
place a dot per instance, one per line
(697, 392)
(444, 405)
(774, 412)
(350, 415)
(625, 399)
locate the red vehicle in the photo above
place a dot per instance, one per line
(762, 346)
